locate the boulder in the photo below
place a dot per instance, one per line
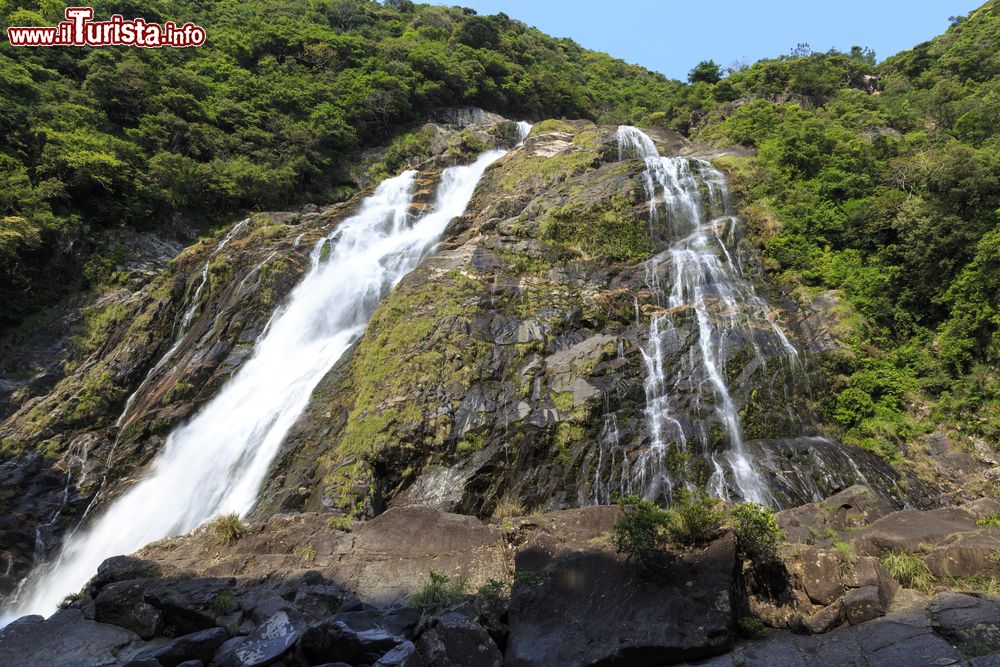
(121, 568)
(825, 619)
(262, 647)
(456, 640)
(595, 607)
(971, 619)
(334, 641)
(863, 604)
(909, 530)
(404, 655)
(821, 576)
(124, 604)
(66, 638)
(967, 554)
(400, 547)
(197, 646)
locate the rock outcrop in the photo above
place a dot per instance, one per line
(95, 396)
(512, 362)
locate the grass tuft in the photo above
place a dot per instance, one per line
(909, 570)
(228, 528)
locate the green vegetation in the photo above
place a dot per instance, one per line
(848, 558)
(909, 570)
(878, 181)
(642, 533)
(749, 627)
(493, 596)
(223, 603)
(342, 523)
(892, 199)
(757, 531)
(440, 592)
(697, 518)
(646, 529)
(276, 106)
(508, 506)
(989, 521)
(228, 528)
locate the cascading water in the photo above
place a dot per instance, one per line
(186, 319)
(705, 308)
(217, 462)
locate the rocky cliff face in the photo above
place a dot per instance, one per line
(95, 391)
(513, 364)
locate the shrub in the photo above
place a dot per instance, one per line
(527, 578)
(748, 626)
(642, 533)
(228, 528)
(440, 592)
(757, 531)
(509, 506)
(223, 603)
(909, 570)
(989, 521)
(493, 595)
(697, 518)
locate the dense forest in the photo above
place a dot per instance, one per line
(881, 180)
(273, 109)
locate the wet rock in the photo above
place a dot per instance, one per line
(595, 607)
(66, 638)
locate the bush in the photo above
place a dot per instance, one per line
(909, 570)
(493, 596)
(228, 528)
(509, 506)
(440, 592)
(642, 533)
(696, 518)
(750, 627)
(757, 531)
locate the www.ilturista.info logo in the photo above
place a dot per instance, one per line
(79, 30)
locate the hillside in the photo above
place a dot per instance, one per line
(274, 109)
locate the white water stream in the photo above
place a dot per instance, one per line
(691, 197)
(217, 462)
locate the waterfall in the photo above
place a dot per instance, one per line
(216, 462)
(705, 307)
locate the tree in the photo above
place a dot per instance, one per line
(707, 71)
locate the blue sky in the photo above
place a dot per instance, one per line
(671, 36)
